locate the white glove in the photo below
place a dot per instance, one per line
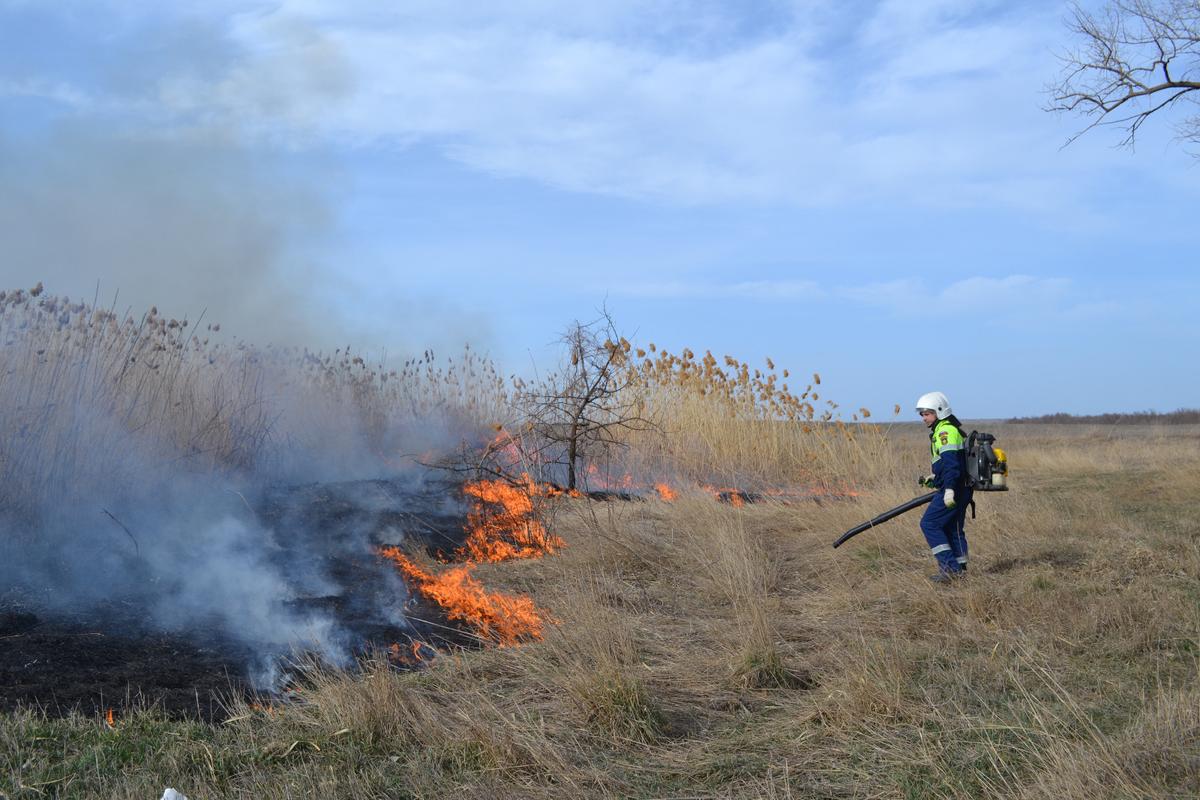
(948, 498)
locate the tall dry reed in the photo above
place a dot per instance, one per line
(94, 402)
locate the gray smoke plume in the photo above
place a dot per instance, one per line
(153, 178)
(131, 528)
(188, 225)
(184, 560)
(159, 182)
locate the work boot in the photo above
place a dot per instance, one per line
(947, 577)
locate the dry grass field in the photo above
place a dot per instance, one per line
(702, 650)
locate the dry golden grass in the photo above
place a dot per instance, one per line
(1074, 640)
(95, 403)
(701, 650)
(706, 651)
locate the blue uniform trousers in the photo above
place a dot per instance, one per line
(945, 530)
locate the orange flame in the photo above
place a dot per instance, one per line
(601, 481)
(550, 490)
(504, 445)
(502, 524)
(502, 618)
(413, 655)
(109, 719)
(665, 492)
(735, 497)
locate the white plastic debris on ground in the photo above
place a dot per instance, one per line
(171, 794)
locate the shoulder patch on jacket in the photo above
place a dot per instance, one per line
(944, 437)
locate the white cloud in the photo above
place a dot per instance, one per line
(55, 90)
(1013, 295)
(1002, 292)
(1105, 309)
(761, 290)
(906, 295)
(997, 298)
(930, 102)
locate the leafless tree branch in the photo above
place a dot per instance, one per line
(1136, 58)
(585, 407)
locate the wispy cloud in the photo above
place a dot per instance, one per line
(993, 297)
(1003, 291)
(761, 290)
(691, 101)
(904, 295)
(58, 91)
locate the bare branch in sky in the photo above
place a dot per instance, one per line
(1134, 58)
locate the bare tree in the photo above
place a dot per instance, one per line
(587, 406)
(1137, 58)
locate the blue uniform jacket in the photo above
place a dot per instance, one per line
(948, 451)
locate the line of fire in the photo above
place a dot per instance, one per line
(179, 591)
(397, 559)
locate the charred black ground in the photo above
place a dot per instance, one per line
(109, 656)
(99, 661)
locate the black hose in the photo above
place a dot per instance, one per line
(885, 516)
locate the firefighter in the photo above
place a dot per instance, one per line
(945, 518)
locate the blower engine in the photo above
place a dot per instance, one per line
(987, 466)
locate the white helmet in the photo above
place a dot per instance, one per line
(935, 402)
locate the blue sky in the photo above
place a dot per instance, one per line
(870, 190)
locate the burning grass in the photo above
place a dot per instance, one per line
(493, 616)
(702, 648)
(712, 651)
(503, 523)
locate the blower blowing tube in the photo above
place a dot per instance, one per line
(885, 516)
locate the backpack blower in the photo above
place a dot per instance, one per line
(987, 471)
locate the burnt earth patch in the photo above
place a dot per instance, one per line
(63, 663)
(111, 656)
